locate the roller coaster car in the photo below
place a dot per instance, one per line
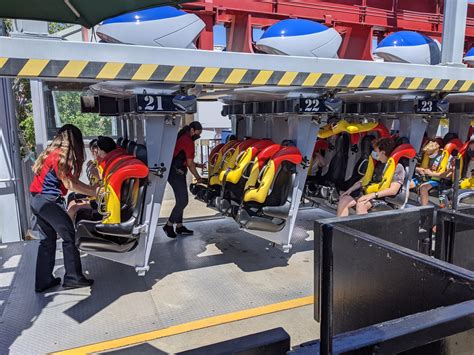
(217, 157)
(221, 159)
(121, 205)
(404, 154)
(452, 149)
(233, 179)
(352, 138)
(268, 192)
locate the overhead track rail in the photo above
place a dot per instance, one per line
(84, 62)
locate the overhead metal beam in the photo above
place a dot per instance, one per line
(93, 61)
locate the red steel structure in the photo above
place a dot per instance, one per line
(358, 21)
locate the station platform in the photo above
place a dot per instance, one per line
(219, 284)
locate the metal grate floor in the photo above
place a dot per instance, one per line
(218, 270)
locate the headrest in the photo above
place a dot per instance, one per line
(291, 154)
(131, 147)
(401, 140)
(366, 144)
(267, 153)
(382, 131)
(455, 143)
(119, 141)
(140, 153)
(124, 143)
(320, 145)
(403, 151)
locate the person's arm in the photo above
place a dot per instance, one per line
(436, 174)
(391, 191)
(354, 187)
(75, 185)
(192, 168)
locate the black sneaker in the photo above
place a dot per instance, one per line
(56, 281)
(169, 231)
(183, 231)
(78, 284)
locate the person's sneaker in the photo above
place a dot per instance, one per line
(169, 231)
(78, 284)
(56, 281)
(183, 231)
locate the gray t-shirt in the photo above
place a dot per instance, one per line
(399, 176)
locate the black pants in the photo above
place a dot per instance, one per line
(180, 188)
(53, 220)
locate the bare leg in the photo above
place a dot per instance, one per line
(425, 194)
(345, 203)
(363, 208)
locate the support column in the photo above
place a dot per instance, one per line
(239, 36)
(206, 39)
(413, 127)
(356, 42)
(454, 30)
(460, 124)
(13, 209)
(303, 130)
(39, 115)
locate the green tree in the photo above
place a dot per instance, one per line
(68, 106)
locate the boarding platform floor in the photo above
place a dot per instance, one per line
(219, 284)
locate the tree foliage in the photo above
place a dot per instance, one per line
(68, 105)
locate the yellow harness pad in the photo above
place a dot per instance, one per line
(234, 175)
(252, 181)
(259, 193)
(347, 127)
(467, 184)
(425, 163)
(369, 173)
(387, 178)
(112, 205)
(222, 163)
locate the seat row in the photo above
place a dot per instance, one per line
(335, 146)
(251, 180)
(112, 227)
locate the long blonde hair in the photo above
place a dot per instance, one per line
(71, 152)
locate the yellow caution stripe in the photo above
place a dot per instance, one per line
(90, 70)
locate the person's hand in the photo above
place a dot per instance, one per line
(201, 166)
(346, 193)
(366, 198)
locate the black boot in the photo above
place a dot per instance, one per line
(56, 281)
(169, 231)
(183, 231)
(78, 284)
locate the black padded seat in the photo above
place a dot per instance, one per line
(336, 174)
(361, 165)
(271, 216)
(140, 152)
(124, 144)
